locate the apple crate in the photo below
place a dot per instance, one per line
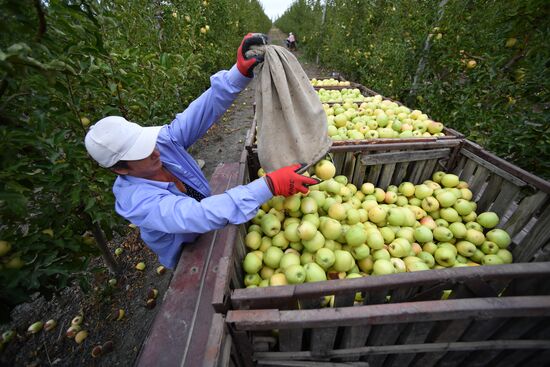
(490, 308)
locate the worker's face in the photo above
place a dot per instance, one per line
(145, 168)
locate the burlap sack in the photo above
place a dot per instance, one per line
(292, 125)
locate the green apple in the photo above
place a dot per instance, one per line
(474, 225)
(291, 232)
(306, 230)
(489, 248)
(307, 257)
(423, 234)
(450, 215)
(500, 237)
(466, 248)
(314, 273)
(449, 180)
(442, 234)
(492, 259)
(458, 229)
(367, 188)
(255, 228)
(295, 274)
(407, 189)
(253, 240)
(505, 255)
(289, 259)
(429, 247)
(444, 256)
(430, 204)
(292, 203)
(270, 225)
(427, 258)
(330, 228)
(318, 196)
(343, 261)
(446, 198)
(315, 243)
(377, 214)
(325, 169)
(252, 263)
(437, 176)
(360, 252)
(418, 266)
(422, 191)
(337, 211)
(258, 217)
(381, 254)
(387, 234)
(366, 264)
(396, 217)
(375, 240)
(383, 267)
(398, 265)
(279, 240)
(272, 257)
(278, 279)
(400, 247)
(474, 236)
(356, 236)
(477, 256)
(252, 279)
(308, 205)
(325, 258)
(488, 219)
(266, 272)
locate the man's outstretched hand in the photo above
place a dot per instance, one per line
(285, 181)
(244, 64)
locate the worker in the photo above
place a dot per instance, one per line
(161, 189)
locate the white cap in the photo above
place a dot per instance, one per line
(113, 139)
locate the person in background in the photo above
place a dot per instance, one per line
(161, 189)
(291, 42)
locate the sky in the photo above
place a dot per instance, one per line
(275, 8)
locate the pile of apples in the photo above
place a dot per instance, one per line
(377, 117)
(340, 231)
(340, 95)
(330, 82)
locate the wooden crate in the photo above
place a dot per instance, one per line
(504, 331)
(521, 200)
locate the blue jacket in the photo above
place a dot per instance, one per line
(168, 218)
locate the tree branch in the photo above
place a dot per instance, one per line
(42, 19)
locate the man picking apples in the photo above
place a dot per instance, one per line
(161, 189)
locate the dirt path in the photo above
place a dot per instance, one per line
(223, 143)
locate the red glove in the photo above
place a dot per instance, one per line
(285, 181)
(244, 64)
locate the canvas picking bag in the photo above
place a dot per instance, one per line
(292, 125)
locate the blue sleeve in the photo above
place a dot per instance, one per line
(191, 124)
(169, 213)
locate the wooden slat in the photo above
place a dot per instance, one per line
(290, 340)
(338, 159)
(533, 241)
(373, 174)
(532, 306)
(450, 331)
(505, 198)
(518, 357)
(268, 363)
(416, 333)
(489, 345)
(403, 156)
(277, 296)
(460, 165)
(490, 193)
(386, 176)
(428, 171)
(512, 329)
(467, 173)
(353, 337)
(479, 179)
(383, 335)
(525, 211)
(322, 341)
(358, 174)
(400, 172)
(349, 165)
(499, 171)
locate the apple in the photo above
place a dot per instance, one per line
(272, 257)
(446, 198)
(505, 255)
(253, 240)
(488, 219)
(367, 188)
(278, 279)
(427, 258)
(252, 279)
(428, 222)
(270, 224)
(337, 211)
(489, 248)
(383, 267)
(266, 272)
(492, 259)
(466, 248)
(251, 263)
(375, 239)
(423, 234)
(325, 258)
(291, 232)
(344, 261)
(306, 230)
(307, 257)
(444, 256)
(458, 229)
(360, 252)
(474, 225)
(396, 217)
(407, 189)
(438, 175)
(315, 243)
(398, 265)
(330, 228)
(477, 256)
(377, 214)
(417, 266)
(279, 240)
(500, 237)
(474, 236)
(366, 264)
(295, 274)
(422, 191)
(400, 247)
(430, 204)
(356, 236)
(449, 180)
(289, 259)
(463, 206)
(442, 234)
